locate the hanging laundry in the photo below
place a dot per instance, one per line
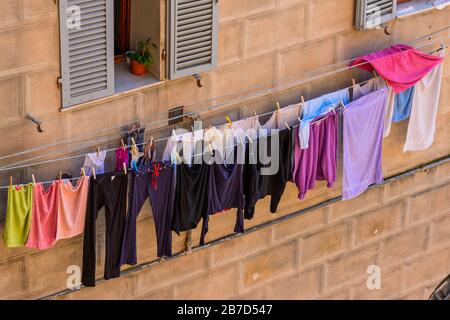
(402, 105)
(214, 140)
(186, 145)
(372, 85)
(191, 196)
(153, 181)
(135, 158)
(317, 107)
(95, 160)
(258, 185)
(401, 66)
(18, 216)
(422, 124)
(44, 216)
(363, 136)
(72, 208)
(121, 158)
(319, 161)
(137, 134)
(225, 191)
(108, 191)
(285, 116)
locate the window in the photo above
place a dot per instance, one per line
(94, 36)
(122, 19)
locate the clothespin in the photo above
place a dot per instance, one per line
(151, 141)
(10, 182)
(134, 143)
(83, 172)
(93, 173)
(98, 151)
(278, 106)
(353, 82)
(287, 126)
(303, 100)
(60, 174)
(230, 123)
(123, 144)
(210, 148)
(254, 114)
(249, 139)
(125, 168)
(34, 179)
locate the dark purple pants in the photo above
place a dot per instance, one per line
(157, 185)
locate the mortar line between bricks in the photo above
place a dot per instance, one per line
(436, 163)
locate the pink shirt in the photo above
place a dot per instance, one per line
(44, 216)
(72, 208)
(400, 65)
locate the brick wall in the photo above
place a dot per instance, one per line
(322, 253)
(260, 42)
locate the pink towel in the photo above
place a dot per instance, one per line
(401, 66)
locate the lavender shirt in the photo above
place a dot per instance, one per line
(363, 136)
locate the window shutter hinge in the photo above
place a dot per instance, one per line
(59, 82)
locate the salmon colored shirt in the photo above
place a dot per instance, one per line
(44, 216)
(72, 208)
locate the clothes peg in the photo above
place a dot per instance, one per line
(123, 144)
(249, 139)
(10, 182)
(134, 142)
(93, 173)
(229, 120)
(354, 82)
(124, 165)
(210, 148)
(287, 126)
(83, 172)
(34, 179)
(254, 114)
(60, 174)
(98, 151)
(151, 141)
(278, 106)
(303, 100)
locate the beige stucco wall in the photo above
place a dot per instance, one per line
(260, 43)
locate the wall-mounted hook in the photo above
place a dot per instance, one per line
(35, 121)
(199, 80)
(387, 29)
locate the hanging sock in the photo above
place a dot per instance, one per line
(422, 123)
(401, 66)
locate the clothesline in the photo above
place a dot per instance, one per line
(111, 149)
(126, 146)
(224, 96)
(10, 167)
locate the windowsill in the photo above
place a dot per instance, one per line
(125, 81)
(125, 84)
(418, 6)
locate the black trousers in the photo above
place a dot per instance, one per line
(109, 191)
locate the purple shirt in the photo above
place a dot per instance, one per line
(318, 162)
(363, 141)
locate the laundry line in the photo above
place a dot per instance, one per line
(191, 113)
(8, 168)
(126, 146)
(15, 166)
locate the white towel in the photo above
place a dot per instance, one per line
(422, 123)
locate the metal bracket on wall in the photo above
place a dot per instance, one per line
(199, 80)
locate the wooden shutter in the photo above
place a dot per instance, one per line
(87, 52)
(372, 13)
(192, 42)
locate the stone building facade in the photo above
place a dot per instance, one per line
(315, 248)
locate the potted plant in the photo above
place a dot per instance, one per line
(142, 58)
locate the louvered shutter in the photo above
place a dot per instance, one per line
(193, 29)
(372, 13)
(87, 50)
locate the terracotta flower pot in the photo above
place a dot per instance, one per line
(137, 68)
